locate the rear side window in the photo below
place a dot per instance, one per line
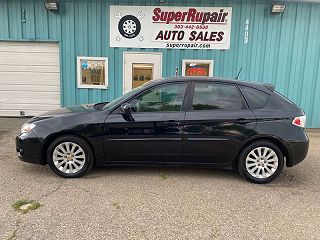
(255, 98)
(215, 96)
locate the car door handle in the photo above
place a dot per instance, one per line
(172, 123)
(243, 121)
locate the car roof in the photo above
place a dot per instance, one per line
(257, 85)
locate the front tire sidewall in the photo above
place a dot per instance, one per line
(83, 144)
(242, 162)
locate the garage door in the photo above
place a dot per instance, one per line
(29, 78)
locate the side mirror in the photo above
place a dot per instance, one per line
(126, 109)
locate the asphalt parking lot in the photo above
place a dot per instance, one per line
(157, 203)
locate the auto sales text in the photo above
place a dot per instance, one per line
(202, 36)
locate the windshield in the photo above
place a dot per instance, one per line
(127, 95)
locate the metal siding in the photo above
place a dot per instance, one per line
(41, 22)
(14, 19)
(4, 19)
(28, 29)
(82, 46)
(282, 49)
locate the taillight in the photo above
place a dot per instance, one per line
(300, 121)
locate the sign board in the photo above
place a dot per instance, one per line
(170, 27)
(202, 70)
(197, 67)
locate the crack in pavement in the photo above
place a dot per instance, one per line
(14, 233)
(19, 220)
(53, 191)
(86, 190)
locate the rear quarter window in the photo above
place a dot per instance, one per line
(255, 98)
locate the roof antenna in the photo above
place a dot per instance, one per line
(237, 77)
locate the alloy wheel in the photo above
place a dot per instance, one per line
(68, 157)
(262, 162)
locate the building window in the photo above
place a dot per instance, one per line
(92, 72)
(196, 67)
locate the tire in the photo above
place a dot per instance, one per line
(129, 26)
(269, 159)
(70, 156)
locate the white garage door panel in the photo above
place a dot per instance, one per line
(28, 47)
(12, 113)
(28, 59)
(28, 97)
(29, 78)
(28, 107)
(29, 88)
(32, 69)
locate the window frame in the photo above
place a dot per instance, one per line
(192, 90)
(200, 61)
(87, 86)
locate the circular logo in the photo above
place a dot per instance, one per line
(129, 26)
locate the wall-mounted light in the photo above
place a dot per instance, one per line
(52, 5)
(277, 8)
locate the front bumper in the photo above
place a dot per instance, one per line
(297, 151)
(29, 148)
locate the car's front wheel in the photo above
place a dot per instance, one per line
(70, 156)
(261, 162)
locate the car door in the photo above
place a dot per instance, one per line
(153, 131)
(216, 124)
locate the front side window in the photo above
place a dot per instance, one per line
(165, 98)
(215, 96)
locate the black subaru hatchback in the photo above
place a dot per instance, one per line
(206, 122)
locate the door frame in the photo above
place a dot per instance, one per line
(140, 53)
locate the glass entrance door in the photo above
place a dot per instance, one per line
(140, 68)
(141, 73)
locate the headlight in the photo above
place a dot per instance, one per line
(27, 127)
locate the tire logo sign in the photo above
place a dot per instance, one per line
(129, 26)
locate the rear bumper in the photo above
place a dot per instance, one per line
(29, 148)
(297, 151)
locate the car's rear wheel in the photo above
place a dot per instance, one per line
(261, 162)
(70, 156)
